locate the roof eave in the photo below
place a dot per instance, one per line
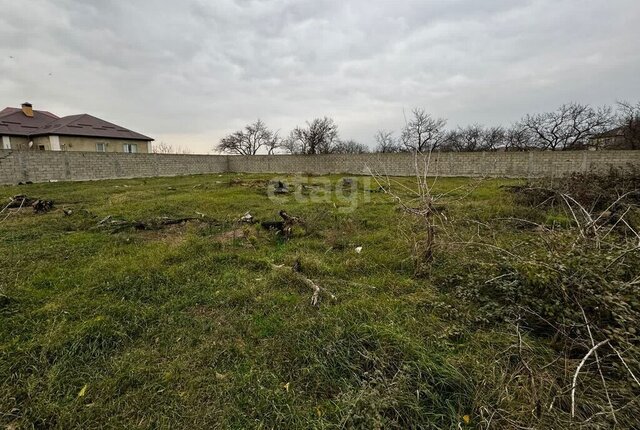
(12, 133)
(53, 133)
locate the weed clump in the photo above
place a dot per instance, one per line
(593, 190)
(568, 301)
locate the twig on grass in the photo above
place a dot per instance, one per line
(9, 213)
(575, 375)
(626, 365)
(317, 289)
(117, 225)
(595, 353)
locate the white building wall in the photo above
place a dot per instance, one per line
(55, 143)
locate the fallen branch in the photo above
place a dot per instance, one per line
(9, 213)
(153, 224)
(626, 365)
(317, 289)
(284, 227)
(38, 205)
(604, 382)
(575, 375)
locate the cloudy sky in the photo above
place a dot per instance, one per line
(188, 72)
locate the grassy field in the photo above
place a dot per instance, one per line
(190, 325)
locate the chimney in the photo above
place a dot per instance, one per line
(27, 109)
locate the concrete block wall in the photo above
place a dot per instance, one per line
(472, 164)
(42, 166)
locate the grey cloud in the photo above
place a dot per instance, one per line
(188, 72)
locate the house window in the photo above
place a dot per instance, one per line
(101, 147)
(130, 148)
(41, 147)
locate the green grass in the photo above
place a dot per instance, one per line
(180, 328)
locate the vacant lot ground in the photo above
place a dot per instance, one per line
(190, 325)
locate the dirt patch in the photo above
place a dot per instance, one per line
(231, 235)
(173, 236)
(203, 311)
(253, 183)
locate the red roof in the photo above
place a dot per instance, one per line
(14, 122)
(90, 126)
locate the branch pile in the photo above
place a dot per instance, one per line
(38, 205)
(284, 227)
(117, 225)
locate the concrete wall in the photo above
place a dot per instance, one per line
(473, 164)
(40, 166)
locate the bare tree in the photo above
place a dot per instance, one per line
(518, 138)
(629, 121)
(419, 203)
(273, 144)
(568, 127)
(470, 138)
(386, 142)
(350, 147)
(450, 141)
(474, 138)
(422, 133)
(296, 143)
(494, 138)
(318, 137)
(167, 148)
(250, 140)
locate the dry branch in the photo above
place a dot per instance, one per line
(284, 227)
(116, 225)
(317, 289)
(38, 205)
(575, 375)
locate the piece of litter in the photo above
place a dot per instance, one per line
(358, 249)
(83, 391)
(247, 218)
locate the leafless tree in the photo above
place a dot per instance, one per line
(568, 127)
(450, 141)
(296, 142)
(518, 138)
(629, 121)
(350, 147)
(474, 138)
(273, 144)
(422, 133)
(167, 148)
(318, 137)
(250, 140)
(470, 138)
(494, 138)
(386, 142)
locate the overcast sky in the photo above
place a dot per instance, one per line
(188, 72)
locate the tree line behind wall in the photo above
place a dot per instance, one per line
(572, 126)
